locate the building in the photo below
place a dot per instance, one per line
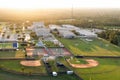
(70, 27)
(43, 32)
(86, 33)
(27, 37)
(66, 33)
(64, 30)
(52, 27)
(37, 25)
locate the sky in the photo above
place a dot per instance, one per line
(35, 4)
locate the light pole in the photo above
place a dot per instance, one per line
(90, 75)
(72, 10)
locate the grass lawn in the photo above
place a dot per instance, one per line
(53, 65)
(7, 54)
(12, 54)
(6, 45)
(78, 61)
(97, 47)
(49, 44)
(16, 66)
(108, 69)
(10, 76)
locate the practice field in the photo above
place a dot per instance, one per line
(12, 54)
(97, 47)
(108, 69)
(6, 45)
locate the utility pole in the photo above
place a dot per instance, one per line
(72, 13)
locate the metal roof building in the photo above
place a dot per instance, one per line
(86, 33)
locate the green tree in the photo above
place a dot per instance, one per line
(33, 35)
(115, 40)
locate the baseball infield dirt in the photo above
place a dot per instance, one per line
(91, 63)
(31, 63)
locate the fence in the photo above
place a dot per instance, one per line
(21, 73)
(49, 70)
(97, 56)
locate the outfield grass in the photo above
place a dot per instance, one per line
(16, 66)
(97, 47)
(108, 69)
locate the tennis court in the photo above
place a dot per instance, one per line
(59, 52)
(35, 51)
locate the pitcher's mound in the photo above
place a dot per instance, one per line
(31, 63)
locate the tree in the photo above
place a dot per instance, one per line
(112, 35)
(17, 31)
(115, 40)
(102, 34)
(3, 35)
(33, 35)
(8, 36)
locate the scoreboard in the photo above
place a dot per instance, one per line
(15, 45)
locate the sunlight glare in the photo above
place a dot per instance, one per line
(33, 4)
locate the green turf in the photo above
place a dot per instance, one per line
(53, 65)
(78, 61)
(97, 47)
(108, 69)
(7, 54)
(49, 44)
(6, 45)
(16, 66)
(12, 54)
(9, 76)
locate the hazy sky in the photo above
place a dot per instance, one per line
(32, 4)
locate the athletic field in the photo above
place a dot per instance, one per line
(6, 45)
(97, 47)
